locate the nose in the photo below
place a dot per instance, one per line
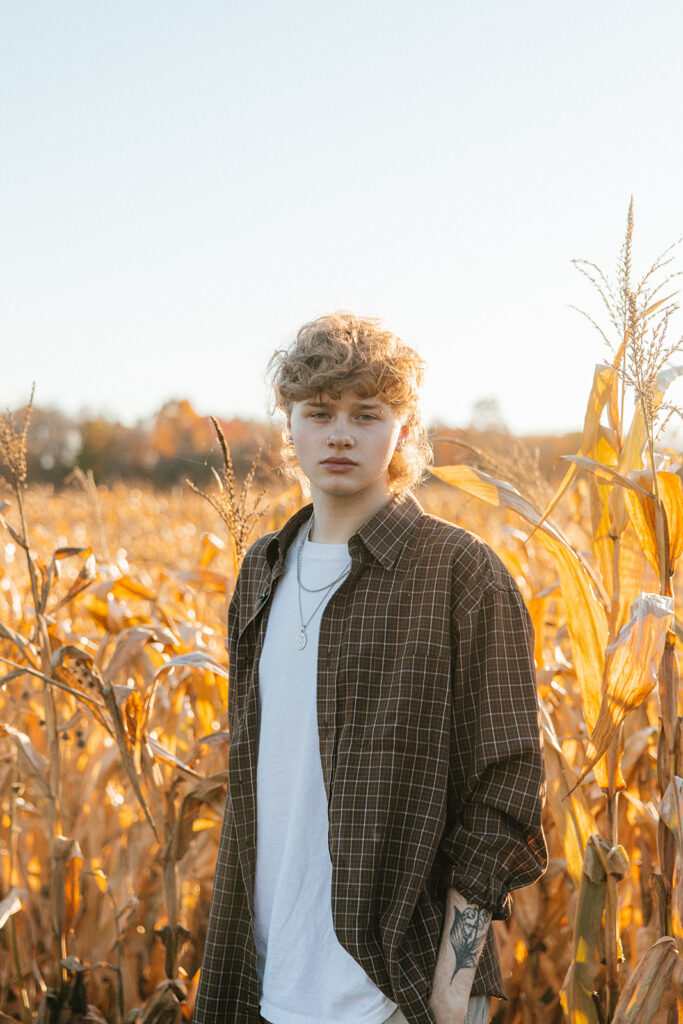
(338, 441)
(340, 436)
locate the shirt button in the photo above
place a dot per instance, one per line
(262, 597)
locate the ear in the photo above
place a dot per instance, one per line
(402, 438)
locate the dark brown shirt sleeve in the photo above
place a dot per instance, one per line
(493, 840)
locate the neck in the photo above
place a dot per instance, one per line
(335, 521)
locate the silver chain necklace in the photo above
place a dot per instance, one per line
(301, 638)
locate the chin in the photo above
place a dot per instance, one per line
(338, 485)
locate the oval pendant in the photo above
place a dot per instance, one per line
(301, 641)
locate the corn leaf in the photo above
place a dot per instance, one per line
(585, 973)
(605, 473)
(641, 510)
(649, 995)
(544, 619)
(195, 659)
(633, 573)
(571, 814)
(82, 582)
(30, 760)
(670, 806)
(632, 661)
(632, 454)
(163, 754)
(210, 580)
(87, 572)
(211, 545)
(125, 586)
(10, 905)
(131, 642)
(604, 384)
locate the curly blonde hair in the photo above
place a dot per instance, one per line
(340, 351)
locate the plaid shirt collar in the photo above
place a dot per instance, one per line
(384, 535)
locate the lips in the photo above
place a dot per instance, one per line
(339, 462)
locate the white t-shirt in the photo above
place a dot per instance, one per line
(305, 975)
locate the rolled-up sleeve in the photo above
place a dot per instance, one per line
(493, 841)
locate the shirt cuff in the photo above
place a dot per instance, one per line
(485, 891)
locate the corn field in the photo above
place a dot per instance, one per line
(114, 686)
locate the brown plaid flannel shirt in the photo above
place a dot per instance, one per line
(430, 750)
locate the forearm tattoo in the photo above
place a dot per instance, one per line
(466, 935)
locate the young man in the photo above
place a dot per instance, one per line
(385, 772)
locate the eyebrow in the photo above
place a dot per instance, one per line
(357, 405)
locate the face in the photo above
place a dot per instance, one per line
(344, 445)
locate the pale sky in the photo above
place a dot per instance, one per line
(184, 184)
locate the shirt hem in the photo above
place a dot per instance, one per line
(287, 1017)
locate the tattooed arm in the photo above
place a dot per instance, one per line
(464, 930)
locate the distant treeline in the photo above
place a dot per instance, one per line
(178, 443)
(173, 444)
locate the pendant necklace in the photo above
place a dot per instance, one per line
(301, 638)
